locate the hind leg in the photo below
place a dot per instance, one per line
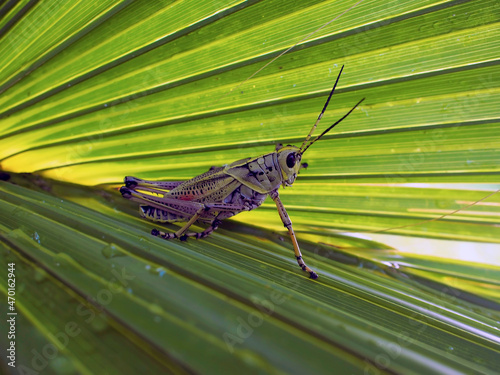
(180, 233)
(178, 207)
(132, 182)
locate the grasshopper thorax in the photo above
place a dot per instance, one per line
(289, 158)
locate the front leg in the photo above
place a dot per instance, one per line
(183, 237)
(180, 233)
(288, 225)
(183, 234)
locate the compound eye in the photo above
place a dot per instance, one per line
(290, 160)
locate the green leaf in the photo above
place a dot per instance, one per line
(235, 297)
(398, 211)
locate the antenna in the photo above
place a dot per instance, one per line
(331, 127)
(323, 111)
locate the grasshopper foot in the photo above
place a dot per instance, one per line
(312, 275)
(125, 192)
(130, 182)
(167, 236)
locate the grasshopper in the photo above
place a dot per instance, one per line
(225, 191)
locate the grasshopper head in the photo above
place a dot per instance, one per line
(289, 160)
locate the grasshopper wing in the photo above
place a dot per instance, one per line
(210, 187)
